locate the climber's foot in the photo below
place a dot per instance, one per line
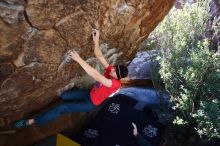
(21, 124)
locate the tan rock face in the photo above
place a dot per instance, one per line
(36, 34)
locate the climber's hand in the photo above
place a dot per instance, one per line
(74, 55)
(95, 36)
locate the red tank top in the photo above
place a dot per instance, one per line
(99, 92)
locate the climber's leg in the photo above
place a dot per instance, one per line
(61, 109)
(75, 94)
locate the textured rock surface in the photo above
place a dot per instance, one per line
(36, 34)
(141, 65)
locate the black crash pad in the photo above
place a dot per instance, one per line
(112, 126)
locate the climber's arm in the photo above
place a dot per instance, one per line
(90, 70)
(97, 50)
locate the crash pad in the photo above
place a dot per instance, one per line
(65, 141)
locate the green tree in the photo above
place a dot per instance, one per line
(189, 69)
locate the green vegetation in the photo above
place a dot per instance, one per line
(190, 70)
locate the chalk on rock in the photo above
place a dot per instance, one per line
(67, 58)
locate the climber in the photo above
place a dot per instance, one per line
(105, 86)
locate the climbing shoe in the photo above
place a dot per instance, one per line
(21, 124)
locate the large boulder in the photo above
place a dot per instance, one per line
(34, 38)
(36, 34)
